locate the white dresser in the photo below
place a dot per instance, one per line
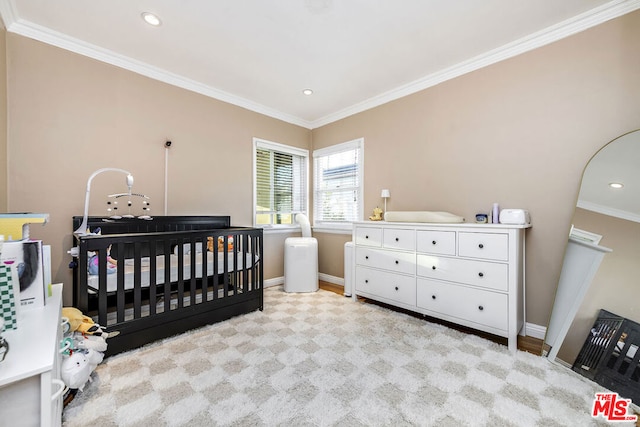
(469, 274)
(30, 385)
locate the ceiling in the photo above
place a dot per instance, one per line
(261, 54)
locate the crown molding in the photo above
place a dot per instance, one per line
(609, 211)
(533, 41)
(549, 35)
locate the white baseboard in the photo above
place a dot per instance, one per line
(331, 279)
(535, 331)
(276, 281)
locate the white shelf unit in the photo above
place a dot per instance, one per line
(468, 274)
(30, 385)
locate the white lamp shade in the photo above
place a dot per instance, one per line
(385, 193)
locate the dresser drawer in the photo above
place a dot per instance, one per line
(436, 242)
(400, 262)
(368, 236)
(484, 308)
(484, 245)
(392, 286)
(489, 275)
(399, 239)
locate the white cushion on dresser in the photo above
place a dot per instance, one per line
(422, 216)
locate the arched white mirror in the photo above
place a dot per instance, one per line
(601, 269)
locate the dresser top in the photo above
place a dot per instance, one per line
(469, 225)
(32, 344)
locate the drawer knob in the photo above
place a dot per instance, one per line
(480, 308)
(366, 257)
(397, 240)
(481, 246)
(366, 237)
(481, 274)
(366, 281)
(433, 242)
(397, 262)
(433, 297)
(396, 288)
(433, 268)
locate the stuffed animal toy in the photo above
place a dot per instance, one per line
(377, 215)
(94, 358)
(220, 244)
(75, 321)
(93, 342)
(94, 263)
(75, 370)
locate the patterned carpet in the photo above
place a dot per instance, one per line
(321, 359)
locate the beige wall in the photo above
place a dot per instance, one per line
(70, 115)
(615, 285)
(518, 133)
(3, 120)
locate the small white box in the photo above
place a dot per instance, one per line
(514, 216)
(25, 260)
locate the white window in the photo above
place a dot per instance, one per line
(280, 183)
(338, 184)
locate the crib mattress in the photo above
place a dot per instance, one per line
(145, 276)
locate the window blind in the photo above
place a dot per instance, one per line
(338, 183)
(281, 183)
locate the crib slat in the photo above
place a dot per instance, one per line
(153, 302)
(102, 285)
(137, 280)
(167, 276)
(216, 276)
(120, 300)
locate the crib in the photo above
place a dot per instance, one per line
(172, 274)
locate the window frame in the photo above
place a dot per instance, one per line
(341, 227)
(260, 143)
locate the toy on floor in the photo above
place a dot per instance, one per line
(82, 347)
(78, 322)
(75, 370)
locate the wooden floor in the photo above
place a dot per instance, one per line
(529, 344)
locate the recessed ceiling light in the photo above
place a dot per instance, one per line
(151, 19)
(616, 185)
(307, 92)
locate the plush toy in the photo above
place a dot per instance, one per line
(75, 370)
(75, 321)
(377, 215)
(220, 244)
(93, 342)
(94, 263)
(94, 358)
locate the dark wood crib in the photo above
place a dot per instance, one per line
(173, 273)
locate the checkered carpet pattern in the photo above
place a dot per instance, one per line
(7, 299)
(320, 359)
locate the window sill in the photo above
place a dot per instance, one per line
(280, 230)
(334, 228)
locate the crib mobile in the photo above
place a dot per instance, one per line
(114, 208)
